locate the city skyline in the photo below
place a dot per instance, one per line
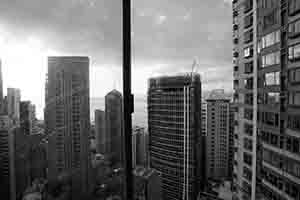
(40, 32)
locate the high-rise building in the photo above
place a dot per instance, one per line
(266, 77)
(1, 89)
(67, 121)
(147, 184)
(232, 110)
(217, 135)
(7, 159)
(27, 118)
(114, 127)
(100, 133)
(245, 86)
(140, 146)
(175, 138)
(13, 105)
(203, 117)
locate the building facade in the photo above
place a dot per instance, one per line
(27, 117)
(175, 138)
(67, 120)
(140, 146)
(13, 105)
(217, 135)
(7, 159)
(100, 132)
(266, 75)
(114, 127)
(245, 87)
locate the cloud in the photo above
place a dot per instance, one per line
(167, 33)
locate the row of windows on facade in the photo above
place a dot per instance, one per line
(288, 143)
(283, 184)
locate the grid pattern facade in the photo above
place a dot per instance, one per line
(175, 141)
(278, 99)
(245, 92)
(217, 139)
(67, 120)
(275, 99)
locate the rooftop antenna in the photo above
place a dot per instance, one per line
(195, 64)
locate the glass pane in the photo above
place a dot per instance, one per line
(62, 67)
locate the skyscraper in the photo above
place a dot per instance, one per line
(140, 146)
(67, 120)
(27, 117)
(7, 159)
(13, 105)
(114, 127)
(100, 133)
(266, 83)
(217, 138)
(1, 88)
(175, 138)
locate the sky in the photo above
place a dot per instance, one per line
(166, 35)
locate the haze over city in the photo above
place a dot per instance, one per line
(167, 36)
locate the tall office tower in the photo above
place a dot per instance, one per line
(13, 105)
(203, 117)
(7, 159)
(270, 104)
(26, 117)
(232, 110)
(100, 133)
(1, 89)
(175, 138)
(217, 138)
(114, 127)
(67, 120)
(141, 146)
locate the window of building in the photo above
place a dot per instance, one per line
(294, 75)
(248, 144)
(270, 59)
(248, 83)
(294, 28)
(248, 129)
(272, 98)
(249, 67)
(269, 3)
(249, 99)
(248, 21)
(294, 122)
(294, 98)
(270, 118)
(248, 52)
(248, 114)
(248, 5)
(247, 159)
(248, 36)
(247, 174)
(294, 53)
(269, 39)
(294, 7)
(272, 78)
(270, 19)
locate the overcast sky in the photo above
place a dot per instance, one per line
(167, 35)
